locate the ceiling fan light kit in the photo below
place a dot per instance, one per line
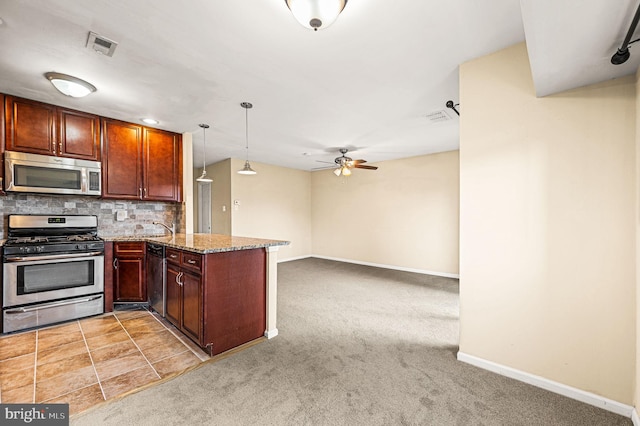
(344, 164)
(203, 177)
(247, 170)
(316, 14)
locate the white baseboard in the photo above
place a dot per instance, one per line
(635, 418)
(289, 259)
(270, 334)
(397, 268)
(550, 385)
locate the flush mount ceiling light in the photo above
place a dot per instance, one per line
(69, 85)
(247, 170)
(315, 14)
(203, 177)
(150, 121)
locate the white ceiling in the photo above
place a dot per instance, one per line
(367, 83)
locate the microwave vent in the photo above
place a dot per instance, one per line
(101, 44)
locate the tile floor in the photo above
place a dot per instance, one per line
(88, 361)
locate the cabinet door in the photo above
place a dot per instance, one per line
(173, 311)
(192, 306)
(162, 170)
(130, 280)
(121, 160)
(79, 135)
(2, 133)
(30, 126)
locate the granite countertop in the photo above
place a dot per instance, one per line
(203, 243)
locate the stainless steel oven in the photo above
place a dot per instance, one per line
(54, 276)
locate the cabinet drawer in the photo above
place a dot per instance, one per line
(192, 261)
(174, 256)
(129, 248)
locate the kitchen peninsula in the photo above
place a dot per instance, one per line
(221, 290)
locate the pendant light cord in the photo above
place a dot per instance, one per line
(204, 151)
(246, 120)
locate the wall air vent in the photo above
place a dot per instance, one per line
(101, 44)
(438, 116)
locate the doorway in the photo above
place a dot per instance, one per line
(204, 207)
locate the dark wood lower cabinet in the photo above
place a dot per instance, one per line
(234, 298)
(184, 301)
(129, 272)
(218, 300)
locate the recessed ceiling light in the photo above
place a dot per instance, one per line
(150, 121)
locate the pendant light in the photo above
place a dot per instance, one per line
(314, 14)
(247, 170)
(203, 177)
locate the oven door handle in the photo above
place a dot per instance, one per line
(51, 305)
(53, 256)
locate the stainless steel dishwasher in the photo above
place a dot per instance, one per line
(156, 277)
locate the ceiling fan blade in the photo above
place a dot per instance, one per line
(324, 168)
(359, 161)
(328, 162)
(357, 166)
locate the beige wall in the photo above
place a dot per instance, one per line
(404, 215)
(547, 201)
(274, 204)
(221, 217)
(637, 378)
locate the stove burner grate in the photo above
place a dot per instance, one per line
(29, 240)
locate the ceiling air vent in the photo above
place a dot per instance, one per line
(438, 116)
(101, 44)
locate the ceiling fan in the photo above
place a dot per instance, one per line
(344, 164)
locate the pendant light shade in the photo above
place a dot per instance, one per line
(315, 14)
(203, 177)
(247, 170)
(69, 85)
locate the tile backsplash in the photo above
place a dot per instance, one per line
(140, 215)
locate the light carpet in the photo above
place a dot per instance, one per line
(357, 345)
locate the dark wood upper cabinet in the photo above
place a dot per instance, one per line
(162, 170)
(79, 135)
(121, 162)
(40, 128)
(140, 163)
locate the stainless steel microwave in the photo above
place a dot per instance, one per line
(25, 172)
